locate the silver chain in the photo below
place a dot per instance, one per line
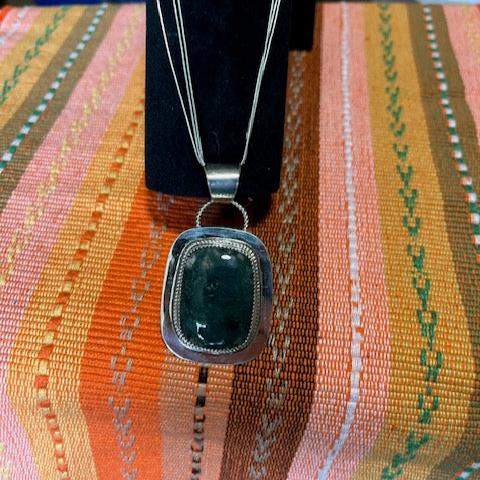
(191, 115)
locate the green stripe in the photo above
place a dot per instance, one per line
(24, 153)
(430, 358)
(455, 208)
(10, 83)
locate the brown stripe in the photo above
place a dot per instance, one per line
(455, 208)
(25, 152)
(198, 441)
(272, 395)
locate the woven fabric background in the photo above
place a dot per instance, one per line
(373, 364)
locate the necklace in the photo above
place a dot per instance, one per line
(217, 294)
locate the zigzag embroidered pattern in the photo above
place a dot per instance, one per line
(46, 188)
(10, 83)
(42, 106)
(42, 375)
(279, 342)
(122, 362)
(430, 358)
(371, 370)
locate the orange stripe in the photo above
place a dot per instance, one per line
(4, 12)
(179, 378)
(42, 377)
(120, 376)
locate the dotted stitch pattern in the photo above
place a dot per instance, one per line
(468, 471)
(36, 208)
(458, 155)
(11, 83)
(52, 90)
(45, 353)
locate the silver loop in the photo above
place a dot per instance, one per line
(198, 220)
(222, 181)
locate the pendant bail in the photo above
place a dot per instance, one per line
(222, 181)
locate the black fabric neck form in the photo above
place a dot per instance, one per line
(225, 43)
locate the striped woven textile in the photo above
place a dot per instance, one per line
(372, 367)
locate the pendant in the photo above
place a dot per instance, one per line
(217, 295)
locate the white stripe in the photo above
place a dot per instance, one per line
(33, 118)
(472, 197)
(16, 25)
(465, 474)
(353, 257)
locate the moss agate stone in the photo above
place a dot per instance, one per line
(216, 298)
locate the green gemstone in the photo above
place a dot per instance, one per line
(216, 298)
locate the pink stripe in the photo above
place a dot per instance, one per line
(14, 28)
(371, 408)
(15, 294)
(464, 32)
(333, 344)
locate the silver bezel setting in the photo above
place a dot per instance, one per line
(243, 242)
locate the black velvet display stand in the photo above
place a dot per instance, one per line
(225, 41)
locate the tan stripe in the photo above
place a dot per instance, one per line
(456, 210)
(408, 376)
(72, 333)
(271, 396)
(25, 152)
(39, 63)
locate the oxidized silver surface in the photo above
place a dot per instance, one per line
(204, 237)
